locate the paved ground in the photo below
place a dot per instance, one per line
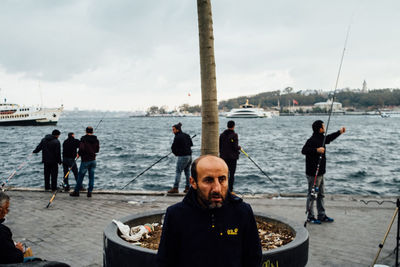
(71, 230)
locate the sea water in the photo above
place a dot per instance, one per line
(364, 160)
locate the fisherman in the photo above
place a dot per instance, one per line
(181, 147)
(70, 145)
(88, 148)
(10, 252)
(229, 150)
(313, 150)
(210, 227)
(51, 156)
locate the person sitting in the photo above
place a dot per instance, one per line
(10, 252)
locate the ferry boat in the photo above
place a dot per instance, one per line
(248, 111)
(16, 115)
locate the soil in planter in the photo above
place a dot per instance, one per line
(272, 235)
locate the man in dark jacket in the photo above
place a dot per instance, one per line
(70, 145)
(181, 147)
(314, 149)
(88, 148)
(51, 156)
(210, 227)
(229, 150)
(9, 252)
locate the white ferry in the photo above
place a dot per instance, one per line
(15, 115)
(248, 111)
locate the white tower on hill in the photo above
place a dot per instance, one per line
(364, 87)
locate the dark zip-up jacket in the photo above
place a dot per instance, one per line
(182, 144)
(88, 147)
(194, 236)
(8, 252)
(312, 156)
(229, 145)
(51, 149)
(70, 146)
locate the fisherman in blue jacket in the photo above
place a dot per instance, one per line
(210, 227)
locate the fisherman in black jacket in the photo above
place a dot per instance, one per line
(181, 147)
(51, 156)
(9, 252)
(229, 150)
(88, 148)
(70, 145)
(210, 227)
(313, 150)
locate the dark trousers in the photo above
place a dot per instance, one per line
(50, 169)
(232, 169)
(67, 163)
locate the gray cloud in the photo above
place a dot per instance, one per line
(123, 47)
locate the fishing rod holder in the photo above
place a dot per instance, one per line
(314, 192)
(398, 233)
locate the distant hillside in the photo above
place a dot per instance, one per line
(376, 98)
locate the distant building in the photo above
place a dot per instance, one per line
(364, 87)
(327, 105)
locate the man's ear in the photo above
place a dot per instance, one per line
(193, 183)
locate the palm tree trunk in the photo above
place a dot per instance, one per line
(209, 103)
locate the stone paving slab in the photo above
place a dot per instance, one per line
(71, 229)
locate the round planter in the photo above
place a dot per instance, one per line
(118, 252)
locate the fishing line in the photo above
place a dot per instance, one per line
(314, 189)
(14, 172)
(148, 168)
(366, 202)
(62, 185)
(247, 155)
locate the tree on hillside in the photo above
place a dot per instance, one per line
(209, 103)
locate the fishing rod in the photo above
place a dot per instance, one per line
(148, 168)
(14, 172)
(70, 168)
(315, 189)
(247, 155)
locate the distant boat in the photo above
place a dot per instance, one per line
(248, 111)
(384, 115)
(15, 115)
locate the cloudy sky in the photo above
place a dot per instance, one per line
(129, 55)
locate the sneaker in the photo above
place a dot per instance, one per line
(66, 188)
(89, 194)
(74, 194)
(186, 189)
(325, 219)
(313, 220)
(173, 190)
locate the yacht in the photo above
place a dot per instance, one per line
(16, 115)
(248, 111)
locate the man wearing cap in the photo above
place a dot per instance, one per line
(210, 227)
(229, 150)
(313, 149)
(51, 156)
(88, 148)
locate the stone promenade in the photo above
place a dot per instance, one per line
(71, 229)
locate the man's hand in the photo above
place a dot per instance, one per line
(342, 130)
(20, 246)
(321, 150)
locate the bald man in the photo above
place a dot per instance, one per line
(210, 227)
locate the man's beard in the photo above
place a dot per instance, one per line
(207, 201)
